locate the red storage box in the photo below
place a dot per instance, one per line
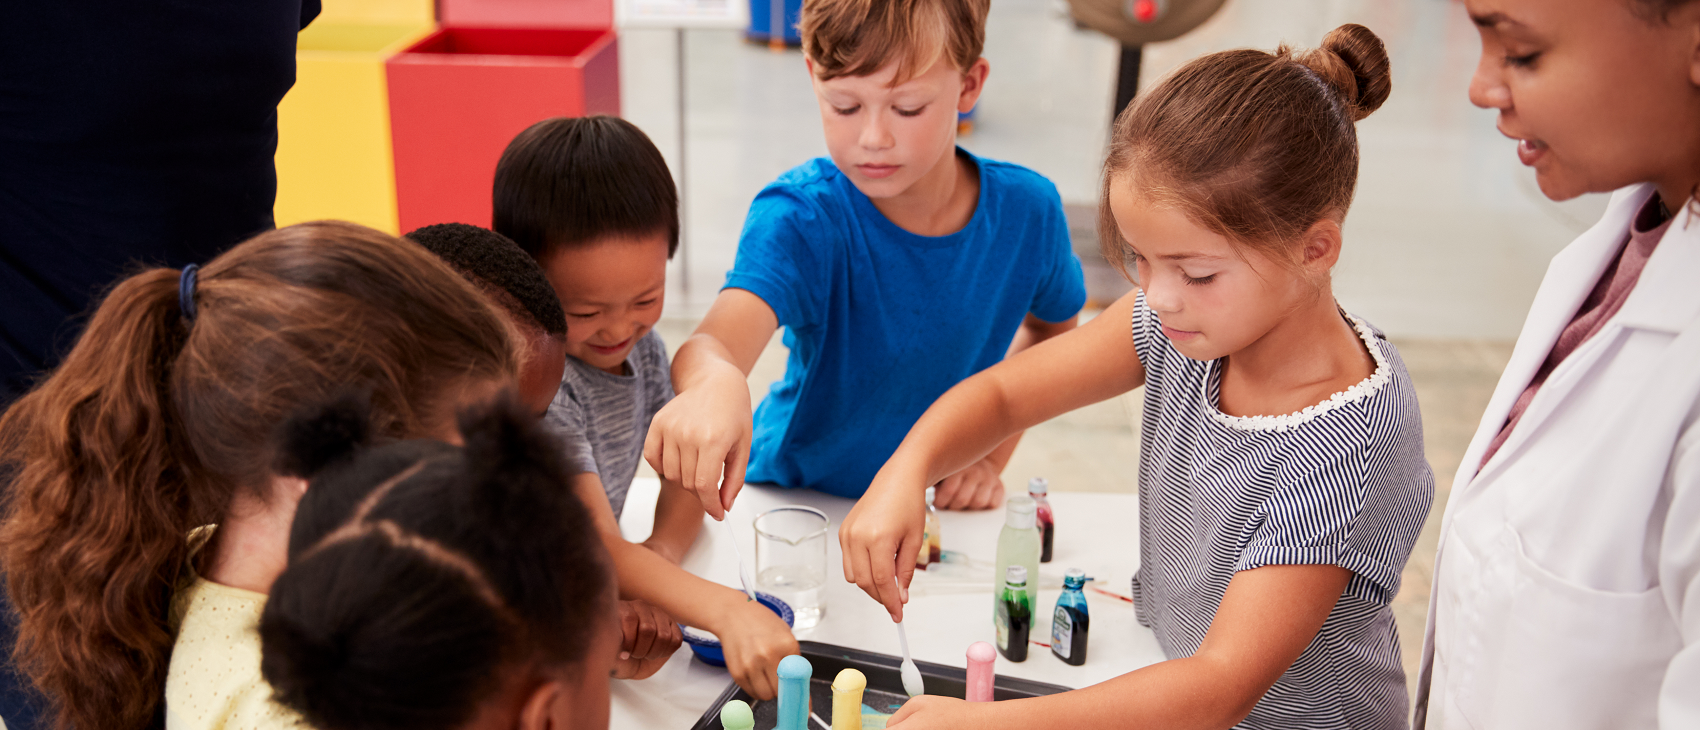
(530, 13)
(458, 97)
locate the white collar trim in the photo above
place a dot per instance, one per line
(1359, 391)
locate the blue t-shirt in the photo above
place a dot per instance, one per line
(881, 321)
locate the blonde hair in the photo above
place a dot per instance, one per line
(859, 37)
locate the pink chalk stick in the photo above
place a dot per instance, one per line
(981, 655)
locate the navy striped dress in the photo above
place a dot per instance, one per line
(1340, 483)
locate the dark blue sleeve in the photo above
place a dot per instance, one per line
(778, 263)
(1062, 288)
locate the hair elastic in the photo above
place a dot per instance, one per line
(186, 291)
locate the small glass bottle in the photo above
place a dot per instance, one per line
(931, 546)
(1071, 621)
(1037, 489)
(1018, 544)
(1014, 615)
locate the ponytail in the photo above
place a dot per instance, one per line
(99, 505)
(166, 407)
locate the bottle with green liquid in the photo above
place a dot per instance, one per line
(1014, 615)
(1018, 545)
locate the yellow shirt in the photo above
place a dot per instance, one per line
(214, 682)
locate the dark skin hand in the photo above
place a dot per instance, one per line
(648, 638)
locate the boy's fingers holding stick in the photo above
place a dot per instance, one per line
(735, 465)
(882, 578)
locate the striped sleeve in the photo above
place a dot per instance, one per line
(1314, 515)
(1148, 342)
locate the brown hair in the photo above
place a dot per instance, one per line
(158, 416)
(858, 37)
(1253, 146)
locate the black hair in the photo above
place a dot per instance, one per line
(566, 182)
(498, 266)
(419, 571)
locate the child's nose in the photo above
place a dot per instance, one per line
(1487, 86)
(1161, 295)
(875, 134)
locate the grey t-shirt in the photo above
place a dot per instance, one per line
(602, 418)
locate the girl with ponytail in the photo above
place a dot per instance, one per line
(1281, 474)
(437, 587)
(161, 421)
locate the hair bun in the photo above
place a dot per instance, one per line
(316, 437)
(1353, 60)
(517, 477)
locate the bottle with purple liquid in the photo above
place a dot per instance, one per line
(1037, 489)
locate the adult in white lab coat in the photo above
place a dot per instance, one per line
(1567, 585)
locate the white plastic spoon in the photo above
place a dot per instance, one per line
(911, 674)
(743, 567)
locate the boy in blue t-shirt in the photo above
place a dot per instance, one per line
(898, 267)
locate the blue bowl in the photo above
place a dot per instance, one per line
(707, 647)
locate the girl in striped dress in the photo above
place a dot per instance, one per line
(1282, 481)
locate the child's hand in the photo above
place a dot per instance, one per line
(881, 536)
(754, 639)
(932, 711)
(701, 439)
(648, 637)
(978, 487)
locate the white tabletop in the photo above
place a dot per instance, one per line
(946, 612)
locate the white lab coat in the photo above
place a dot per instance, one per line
(1567, 584)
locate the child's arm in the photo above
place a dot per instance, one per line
(1267, 618)
(678, 519)
(701, 438)
(1087, 365)
(754, 638)
(980, 486)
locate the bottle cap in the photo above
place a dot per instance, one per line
(930, 492)
(1074, 578)
(1038, 485)
(1016, 575)
(1019, 512)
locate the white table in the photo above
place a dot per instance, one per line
(946, 613)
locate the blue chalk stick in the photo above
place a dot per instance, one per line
(794, 674)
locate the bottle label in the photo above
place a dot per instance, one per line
(1002, 623)
(1062, 633)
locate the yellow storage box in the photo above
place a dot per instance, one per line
(334, 156)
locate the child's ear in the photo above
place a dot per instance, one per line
(973, 82)
(538, 712)
(1321, 248)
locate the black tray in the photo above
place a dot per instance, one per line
(885, 685)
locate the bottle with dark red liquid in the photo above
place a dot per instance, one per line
(1037, 488)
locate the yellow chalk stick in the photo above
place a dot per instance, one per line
(847, 690)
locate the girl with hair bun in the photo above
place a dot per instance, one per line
(438, 587)
(1282, 479)
(133, 610)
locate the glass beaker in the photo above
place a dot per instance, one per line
(791, 559)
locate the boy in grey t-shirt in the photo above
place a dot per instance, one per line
(592, 201)
(606, 415)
